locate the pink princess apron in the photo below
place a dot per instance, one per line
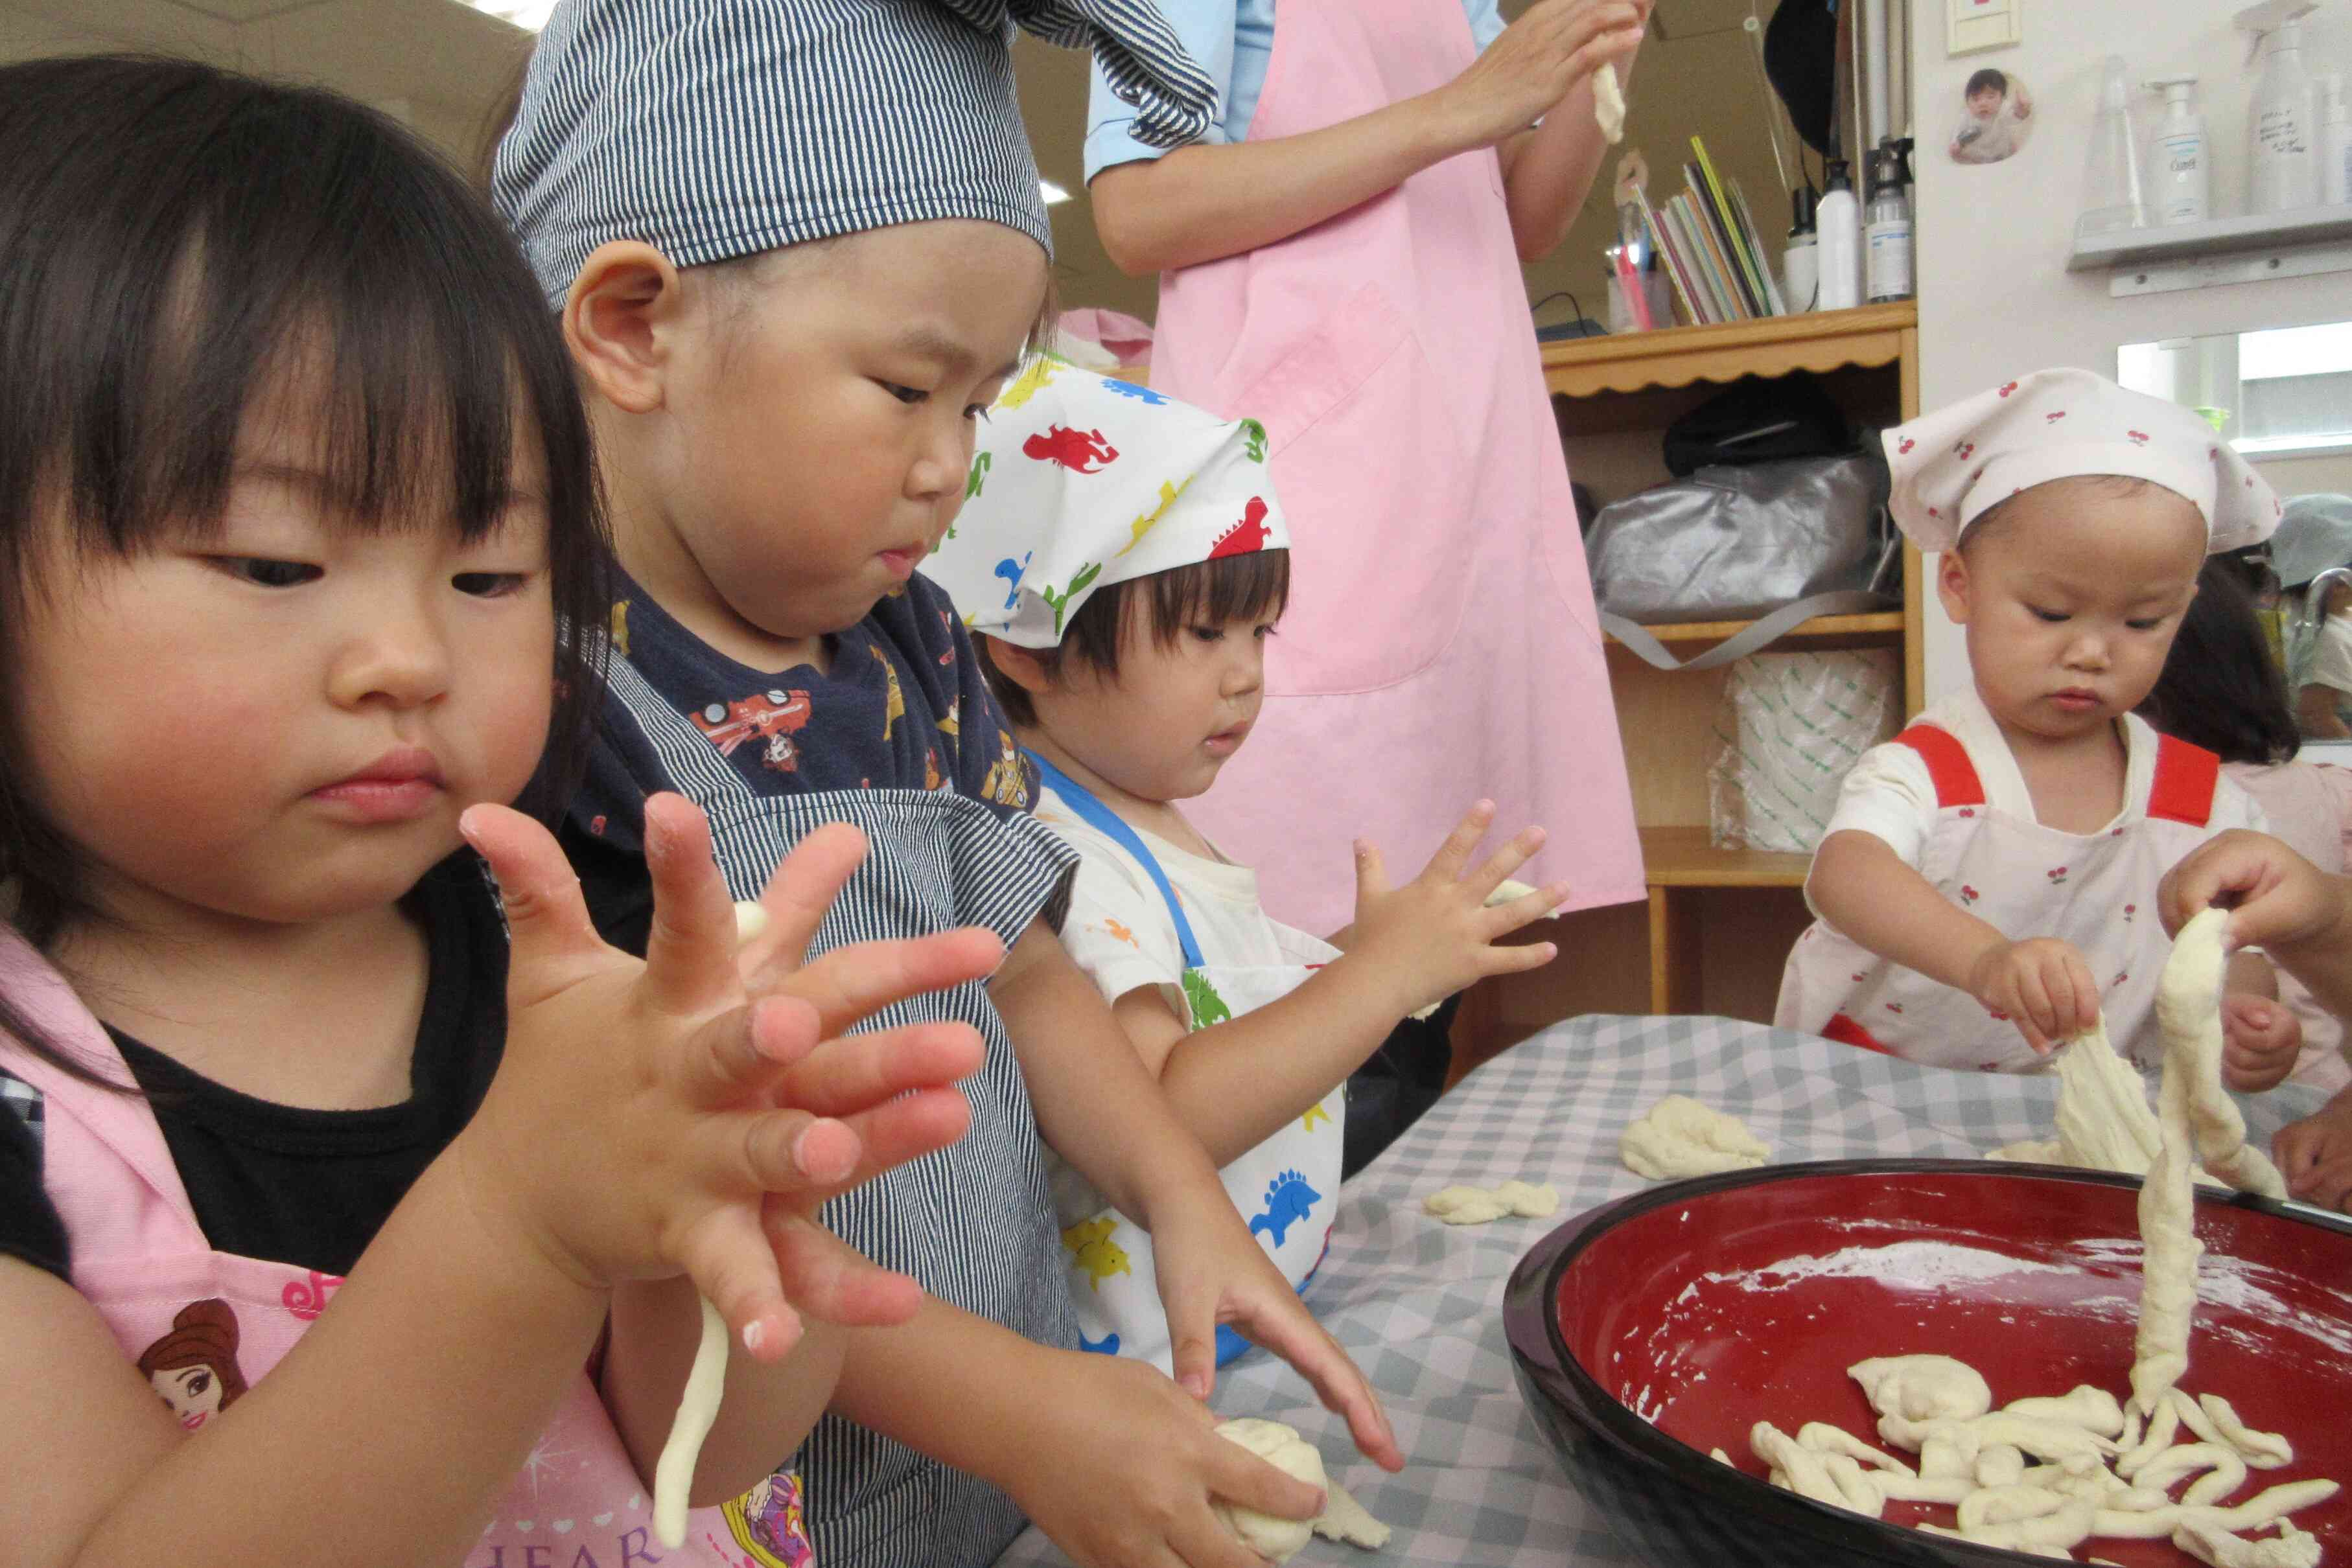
(203, 1325)
(2097, 891)
(1440, 643)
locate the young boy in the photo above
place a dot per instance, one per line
(798, 251)
(1126, 607)
(1984, 889)
(1997, 122)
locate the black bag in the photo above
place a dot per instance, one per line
(1756, 420)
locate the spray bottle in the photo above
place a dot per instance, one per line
(2281, 128)
(2180, 179)
(1840, 251)
(2110, 170)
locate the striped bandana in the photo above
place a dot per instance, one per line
(717, 128)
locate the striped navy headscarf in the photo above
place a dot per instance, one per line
(715, 128)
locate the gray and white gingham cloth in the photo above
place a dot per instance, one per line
(1419, 1304)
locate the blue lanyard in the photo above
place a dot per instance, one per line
(1104, 821)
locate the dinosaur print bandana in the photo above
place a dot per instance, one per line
(1081, 481)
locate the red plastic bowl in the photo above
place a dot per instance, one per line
(1673, 1321)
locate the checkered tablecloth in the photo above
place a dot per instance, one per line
(1418, 1304)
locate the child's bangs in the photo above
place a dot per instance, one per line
(1218, 592)
(285, 266)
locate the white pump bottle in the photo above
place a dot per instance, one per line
(2179, 172)
(2282, 123)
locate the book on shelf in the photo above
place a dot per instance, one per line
(1708, 239)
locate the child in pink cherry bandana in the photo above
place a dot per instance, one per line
(1986, 887)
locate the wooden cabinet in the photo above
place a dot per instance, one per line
(1718, 922)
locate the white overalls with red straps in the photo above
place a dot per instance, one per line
(2095, 891)
(139, 1257)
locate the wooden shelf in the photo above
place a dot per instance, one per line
(1888, 621)
(1818, 341)
(1682, 857)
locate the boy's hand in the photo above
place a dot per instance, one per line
(2315, 1155)
(1118, 1465)
(1211, 1271)
(2042, 984)
(2279, 900)
(1435, 936)
(2261, 1038)
(647, 1119)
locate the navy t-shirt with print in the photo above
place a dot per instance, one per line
(903, 705)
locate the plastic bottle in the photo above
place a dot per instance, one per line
(2112, 199)
(1800, 262)
(1886, 231)
(1839, 219)
(2179, 172)
(2334, 140)
(2282, 130)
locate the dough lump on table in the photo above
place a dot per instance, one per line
(1269, 1535)
(1465, 1204)
(1278, 1540)
(1679, 1138)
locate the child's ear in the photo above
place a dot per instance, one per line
(1952, 585)
(618, 321)
(1018, 664)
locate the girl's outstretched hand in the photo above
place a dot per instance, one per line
(1436, 934)
(651, 1118)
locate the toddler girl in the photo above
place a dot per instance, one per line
(1126, 613)
(1984, 888)
(311, 1245)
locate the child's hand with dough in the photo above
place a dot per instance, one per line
(2280, 902)
(2315, 1155)
(1436, 934)
(2261, 1039)
(1210, 1270)
(2042, 984)
(1118, 1466)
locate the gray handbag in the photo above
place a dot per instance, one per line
(1774, 543)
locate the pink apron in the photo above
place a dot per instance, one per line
(204, 1325)
(1440, 643)
(2095, 889)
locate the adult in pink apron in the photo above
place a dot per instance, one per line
(1440, 643)
(204, 1325)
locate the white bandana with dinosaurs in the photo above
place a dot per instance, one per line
(1082, 481)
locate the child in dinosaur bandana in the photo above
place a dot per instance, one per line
(1123, 563)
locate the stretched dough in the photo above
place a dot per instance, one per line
(2192, 1031)
(706, 1380)
(1679, 1138)
(697, 1410)
(1609, 105)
